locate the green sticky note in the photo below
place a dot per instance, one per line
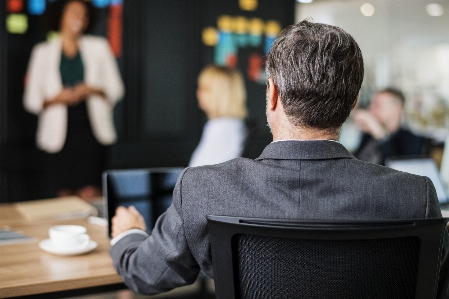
(51, 35)
(17, 23)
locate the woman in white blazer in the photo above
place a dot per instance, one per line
(72, 85)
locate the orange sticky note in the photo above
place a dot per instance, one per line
(115, 29)
(14, 5)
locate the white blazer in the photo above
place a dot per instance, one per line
(44, 82)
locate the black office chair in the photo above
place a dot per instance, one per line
(272, 258)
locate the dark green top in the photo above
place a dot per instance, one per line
(72, 70)
(81, 161)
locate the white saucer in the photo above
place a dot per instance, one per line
(48, 246)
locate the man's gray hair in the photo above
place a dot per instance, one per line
(318, 71)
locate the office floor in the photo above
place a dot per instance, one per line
(194, 291)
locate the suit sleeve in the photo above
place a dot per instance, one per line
(162, 261)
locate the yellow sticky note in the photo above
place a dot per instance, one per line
(210, 36)
(249, 5)
(273, 28)
(240, 25)
(17, 23)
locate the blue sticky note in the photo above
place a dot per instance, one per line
(269, 40)
(101, 3)
(36, 7)
(116, 2)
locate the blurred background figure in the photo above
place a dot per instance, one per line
(72, 85)
(222, 96)
(384, 135)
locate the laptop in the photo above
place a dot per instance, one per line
(425, 167)
(149, 190)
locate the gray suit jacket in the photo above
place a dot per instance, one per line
(290, 180)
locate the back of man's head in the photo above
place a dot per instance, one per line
(318, 71)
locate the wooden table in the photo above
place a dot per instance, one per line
(26, 270)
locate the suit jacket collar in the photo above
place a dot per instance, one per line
(306, 150)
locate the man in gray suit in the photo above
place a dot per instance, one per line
(314, 76)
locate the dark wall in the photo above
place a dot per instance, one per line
(3, 92)
(158, 121)
(161, 61)
(18, 155)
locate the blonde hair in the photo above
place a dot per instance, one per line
(223, 91)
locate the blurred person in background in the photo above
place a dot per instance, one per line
(72, 85)
(384, 135)
(222, 96)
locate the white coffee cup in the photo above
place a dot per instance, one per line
(69, 236)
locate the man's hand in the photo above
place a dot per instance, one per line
(126, 219)
(366, 122)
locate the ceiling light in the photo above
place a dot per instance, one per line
(304, 1)
(434, 9)
(367, 9)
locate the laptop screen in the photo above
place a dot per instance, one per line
(150, 191)
(425, 167)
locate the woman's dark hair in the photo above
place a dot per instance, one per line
(318, 70)
(53, 14)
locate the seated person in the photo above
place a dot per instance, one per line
(383, 135)
(303, 174)
(222, 96)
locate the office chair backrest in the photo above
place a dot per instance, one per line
(272, 258)
(150, 190)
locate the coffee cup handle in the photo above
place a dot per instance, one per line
(84, 240)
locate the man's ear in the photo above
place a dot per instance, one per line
(356, 102)
(272, 95)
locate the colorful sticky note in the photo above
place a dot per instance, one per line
(36, 7)
(101, 3)
(269, 40)
(249, 5)
(210, 36)
(115, 29)
(273, 28)
(14, 5)
(52, 35)
(17, 23)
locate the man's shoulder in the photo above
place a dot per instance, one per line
(224, 166)
(406, 133)
(206, 174)
(385, 174)
(240, 168)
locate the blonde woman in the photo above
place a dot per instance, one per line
(222, 96)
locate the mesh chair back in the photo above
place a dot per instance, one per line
(275, 259)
